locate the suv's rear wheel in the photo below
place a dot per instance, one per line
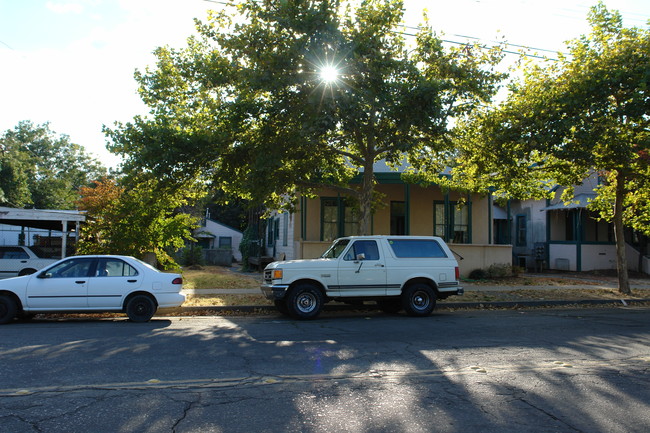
(419, 300)
(305, 301)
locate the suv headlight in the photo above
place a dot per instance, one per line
(276, 274)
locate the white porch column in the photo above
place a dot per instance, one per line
(64, 238)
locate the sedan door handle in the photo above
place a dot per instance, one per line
(80, 282)
(132, 281)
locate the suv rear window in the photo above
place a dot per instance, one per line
(416, 248)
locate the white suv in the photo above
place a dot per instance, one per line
(399, 272)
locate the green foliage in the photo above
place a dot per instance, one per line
(142, 219)
(192, 255)
(41, 170)
(587, 112)
(566, 119)
(249, 245)
(243, 105)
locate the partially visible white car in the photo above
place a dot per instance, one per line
(92, 284)
(19, 260)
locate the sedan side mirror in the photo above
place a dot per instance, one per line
(44, 275)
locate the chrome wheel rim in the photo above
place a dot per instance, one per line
(420, 300)
(306, 302)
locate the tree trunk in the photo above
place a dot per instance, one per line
(365, 199)
(619, 235)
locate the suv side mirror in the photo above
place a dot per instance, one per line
(361, 256)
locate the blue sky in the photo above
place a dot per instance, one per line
(71, 62)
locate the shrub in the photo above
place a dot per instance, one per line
(499, 270)
(192, 255)
(478, 274)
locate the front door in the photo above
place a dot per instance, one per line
(64, 286)
(362, 270)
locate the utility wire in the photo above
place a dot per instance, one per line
(455, 42)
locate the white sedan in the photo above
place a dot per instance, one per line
(92, 284)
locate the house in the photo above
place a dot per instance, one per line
(551, 234)
(465, 221)
(213, 236)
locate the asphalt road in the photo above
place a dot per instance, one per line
(548, 370)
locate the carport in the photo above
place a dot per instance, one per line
(65, 221)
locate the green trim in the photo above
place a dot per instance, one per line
(449, 220)
(509, 223)
(469, 218)
(340, 216)
(579, 221)
(303, 217)
(581, 243)
(518, 228)
(407, 208)
(490, 221)
(391, 177)
(547, 253)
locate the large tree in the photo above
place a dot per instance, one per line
(42, 170)
(585, 113)
(273, 98)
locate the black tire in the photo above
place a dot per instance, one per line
(419, 300)
(8, 309)
(281, 306)
(140, 308)
(305, 301)
(390, 306)
(25, 317)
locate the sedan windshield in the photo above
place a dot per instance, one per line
(336, 249)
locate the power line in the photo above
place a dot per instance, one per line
(572, 15)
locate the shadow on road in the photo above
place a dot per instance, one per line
(556, 370)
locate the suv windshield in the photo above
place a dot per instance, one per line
(336, 249)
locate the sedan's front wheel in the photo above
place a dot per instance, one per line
(8, 309)
(140, 308)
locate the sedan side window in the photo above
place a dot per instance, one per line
(73, 268)
(115, 268)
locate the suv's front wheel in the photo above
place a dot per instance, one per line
(305, 301)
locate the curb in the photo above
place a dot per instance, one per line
(439, 306)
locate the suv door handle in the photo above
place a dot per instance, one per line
(379, 265)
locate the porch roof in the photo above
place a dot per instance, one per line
(580, 201)
(59, 220)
